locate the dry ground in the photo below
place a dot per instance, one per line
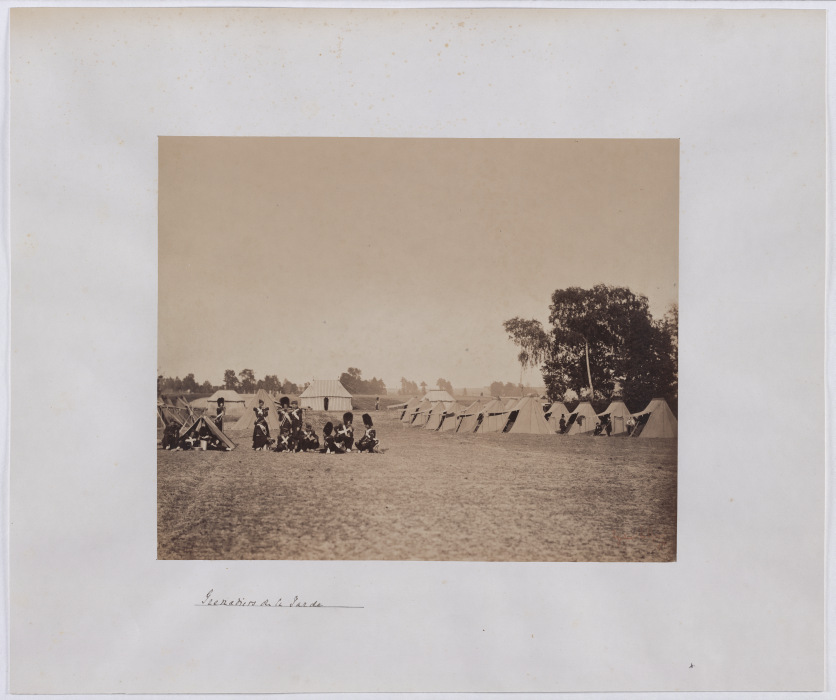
(430, 496)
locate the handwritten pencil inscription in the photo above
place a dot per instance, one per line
(210, 600)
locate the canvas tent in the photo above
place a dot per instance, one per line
(449, 419)
(321, 389)
(618, 415)
(201, 422)
(247, 421)
(439, 395)
(553, 414)
(435, 417)
(493, 418)
(469, 417)
(656, 421)
(583, 420)
(422, 415)
(528, 417)
(412, 414)
(409, 411)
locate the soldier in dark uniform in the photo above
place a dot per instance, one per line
(284, 412)
(295, 415)
(220, 412)
(329, 443)
(562, 423)
(310, 440)
(369, 441)
(344, 432)
(261, 431)
(171, 436)
(285, 441)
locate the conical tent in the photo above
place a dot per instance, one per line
(528, 417)
(435, 416)
(412, 414)
(556, 410)
(583, 420)
(510, 404)
(422, 415)
(660, 423)
(449, 419)
(247, 421)
(202, 421)
(619, 415)
(409, 411)
(468, 418)
(494, 417)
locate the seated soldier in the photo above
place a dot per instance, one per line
(188, 441)
(171, 436)
(329, 443)
(344, 432)
(285, 441)
(369, 441)
(310, 440)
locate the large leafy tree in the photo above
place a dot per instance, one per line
(599, 335)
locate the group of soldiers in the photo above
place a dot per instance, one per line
(295, 437)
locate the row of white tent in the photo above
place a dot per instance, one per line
(532, 415)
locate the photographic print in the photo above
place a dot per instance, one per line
(418, 349)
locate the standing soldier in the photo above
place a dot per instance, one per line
(261, 431)
(220, 412)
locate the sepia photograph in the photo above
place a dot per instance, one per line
(405, 285)
(417, 349)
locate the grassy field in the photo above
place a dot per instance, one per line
(430, 496)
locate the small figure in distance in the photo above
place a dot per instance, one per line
(598, 429)
(369, 441)
(329, 443)
(220, 412)
(562, 423)
(631, 424)
(608, 427)
(377, 404)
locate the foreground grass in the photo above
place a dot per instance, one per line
(431, 496)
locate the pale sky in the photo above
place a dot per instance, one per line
(302, 257)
